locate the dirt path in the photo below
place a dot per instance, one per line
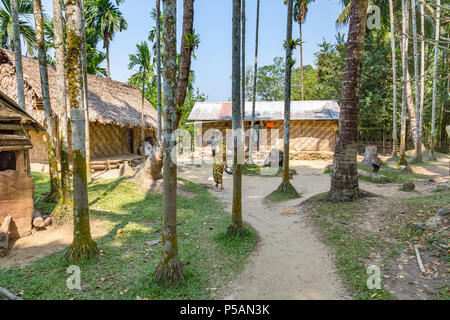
(289, 262)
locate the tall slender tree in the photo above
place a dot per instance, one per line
(255, 76)
(18, 53)
(404, 51)
(300, 12)
(344, 177)
(243, 17)
(394, 83)
(236, 225)
(417, 150)
(169, 269)
(435, 76)
(82, 247)
(422, 72)
(286, 186)
(54, 195)
(64, 210)
(158, 66)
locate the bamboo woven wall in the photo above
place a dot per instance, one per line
(306, 135)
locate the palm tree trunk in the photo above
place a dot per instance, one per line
(18, 54)
(63, 212)
(236, 212)
(301, 61)
(255, 75)
(82, 247)
(158, 67)
(286, 186)
(243, 63)
(435, 75)
(54, 195)
(404, 50)
(344, 177)
(394, 77)
(108, 69)
(417, 150)
(85, 97)
(185, 56)
(170, 269)
(142, 114)
(422, 74)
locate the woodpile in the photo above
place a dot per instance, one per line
(40, 221)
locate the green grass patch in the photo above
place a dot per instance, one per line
(392, 173)
(126, 266)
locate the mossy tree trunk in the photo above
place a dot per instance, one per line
(85, 97)
(63, 212)
(344, 177)
(417, 148)
(435, 76)
(394, 84)
(422, 74)
(82, 247)
(255, 75)
(18, 53)
(169, 270)
(236, 225)
(158, 67)
(54, 195)
(404, 51)
(243, 62)
(286, 186)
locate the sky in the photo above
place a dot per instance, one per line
(212, 21)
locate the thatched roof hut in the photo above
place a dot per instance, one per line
(114, 108)
(110, 102)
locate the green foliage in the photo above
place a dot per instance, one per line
(124, 269)
(26, 29)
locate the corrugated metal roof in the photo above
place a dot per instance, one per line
(267, 110)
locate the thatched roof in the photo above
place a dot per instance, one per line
(110, 102)
(267, 110)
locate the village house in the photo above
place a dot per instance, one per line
(114, 111)
(314, 125)
(16, 184)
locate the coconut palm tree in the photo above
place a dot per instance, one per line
(94, 65)
(54, 195)
(404, 51)
(300, 12)
(142, 60)
(25, 11)
(63, 211)
(108, 20)
(344, 177)
(236, 225)
(17, 53)
(169, 270)
(158, 66)
(286, 187)
(82, 247)
(394, 82)
(255, 75)
(435, 75)
(417, 149)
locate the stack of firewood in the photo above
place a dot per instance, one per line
(40, 221)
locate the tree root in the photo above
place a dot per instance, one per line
(82, 250)
(288, 189)
(335, 195)
(234, 229)
(169, 273)
(63, 212)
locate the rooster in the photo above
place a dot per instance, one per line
(376, 164)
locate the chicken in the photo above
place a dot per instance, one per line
(376, 164)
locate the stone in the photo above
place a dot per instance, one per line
(408, 186)
(419, 225)
(433, 222)
(445, 211)
(288, 212)
(273, 160)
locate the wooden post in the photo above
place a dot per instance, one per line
(384, 142)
